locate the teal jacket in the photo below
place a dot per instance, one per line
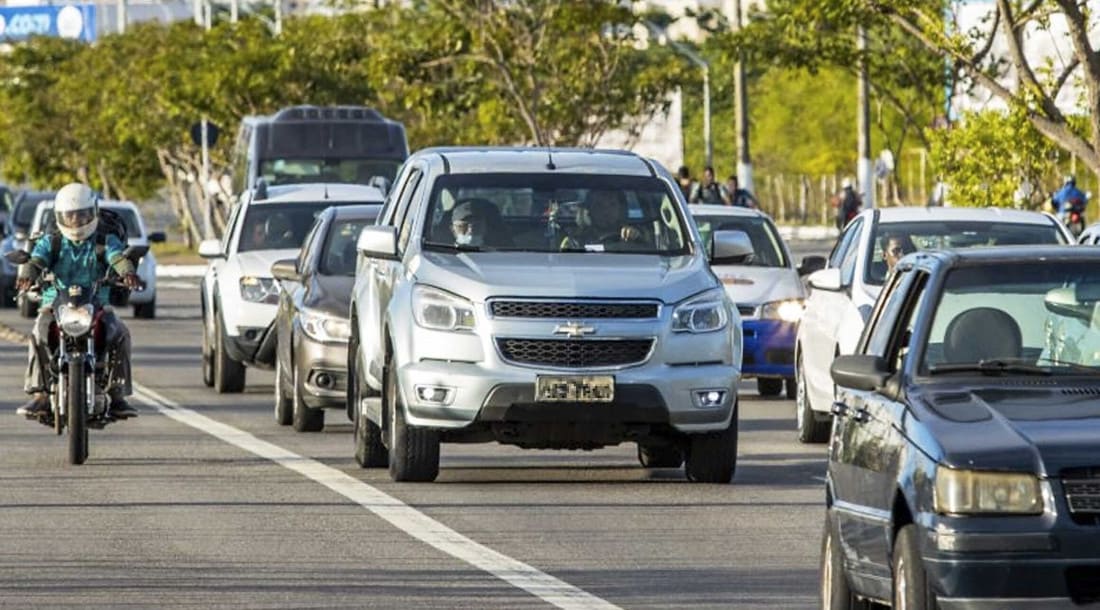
(77, 264)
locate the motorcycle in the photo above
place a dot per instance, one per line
(1073, 215)
(77, 379)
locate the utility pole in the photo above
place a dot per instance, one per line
(278, 17)
(121, 16)
(207, 212)
(234, 11)
(196, 7)
(866, 175)
(741, 108)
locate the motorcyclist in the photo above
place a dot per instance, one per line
(79, 259)
(848, 203)
(1069, 198)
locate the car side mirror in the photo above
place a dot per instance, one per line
(1065, 302)
(730, 247)
(286, 270)
(860, 372)
(157, 237)
(825, 279)
(810, 264)
(17, 257)
(377, 241)
(211, 248)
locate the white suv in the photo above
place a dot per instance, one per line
(239, 294)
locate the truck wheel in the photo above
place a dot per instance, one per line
(228, 373)
(414, 451)
(835, 592)
(791, 386)
(712, 457)
(660, 456)
(207, 357)
(769, 387)
(146, 311)
(911, 588)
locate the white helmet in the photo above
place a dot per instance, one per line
(76, 209)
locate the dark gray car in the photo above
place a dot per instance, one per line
(312, 321)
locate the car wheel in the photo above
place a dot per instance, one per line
(791, 386)
(769, 387)
(810, 430)
(712, 457)
(27, 307)
(228, 373)
(911, 587)
(146, 311)
(369, 450)
(305, 418)
(413, 451)
(660, 456)
(207, 357)
(284, 411)
(835, 591)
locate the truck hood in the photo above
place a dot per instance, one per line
(755, 285)
(1041, 430)
(481, 275)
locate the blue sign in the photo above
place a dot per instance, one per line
(76, 21)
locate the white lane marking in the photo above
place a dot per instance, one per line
(179, 285)
(397, 513)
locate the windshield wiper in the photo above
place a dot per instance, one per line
(991, 367)
(451, 247)
(1073, 366)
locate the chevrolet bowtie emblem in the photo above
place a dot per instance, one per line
(574, 330)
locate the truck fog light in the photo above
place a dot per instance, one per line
(708, 399)
(439, 395)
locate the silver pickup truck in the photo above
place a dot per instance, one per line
(545, 299)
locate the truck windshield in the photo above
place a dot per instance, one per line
(556, 213)
(348, 171)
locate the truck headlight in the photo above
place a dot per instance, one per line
(439, 310)
(975, 492)
(75, 321)
(702, 314)
(324, 328)
(789, 310)
(259, 289)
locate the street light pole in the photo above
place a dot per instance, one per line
(706, 115)
(121, 16)
(866, 177)
(695, 58)
(741, 110)
(234, 11)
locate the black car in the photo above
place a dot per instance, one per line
(964, 465)
(311, 325)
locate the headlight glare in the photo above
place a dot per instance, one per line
(703, 314)
(976, 492)
(259, 289)
(324, 328)
(75, 321)
(789, 310)
(439, 310)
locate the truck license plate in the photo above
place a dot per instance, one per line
(589, 388)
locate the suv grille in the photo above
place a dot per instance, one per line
(575, 353)
(1082, 488)
(573, 310)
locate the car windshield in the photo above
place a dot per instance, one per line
(339, 249)
(551, 212)
(277, 226)
(1016, 315)
(906, 237)
(767, 251)
(48, 223)
(25, 207)
(348, 171)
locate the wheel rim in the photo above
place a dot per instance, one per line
(827, 573)
(391, 398)
(278, 384)
(900, 586)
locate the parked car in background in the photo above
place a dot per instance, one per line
(311, 326)
(15, 238)
(143, 302)
(963, 468)
(768, 290)
(1090, 236)
(238, 293)
(841, 295)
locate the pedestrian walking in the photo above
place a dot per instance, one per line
(709, 190)
(739, 197)
(687, 185)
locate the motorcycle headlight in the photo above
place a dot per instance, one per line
(259, 289)
(789, 310)
(439, 310)
(324, 328)
(702, 314)
(75, 321)
(975, 492)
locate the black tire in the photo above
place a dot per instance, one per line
(27, 307)
(146, 311)
(76, 396)
(284, 408)
(413, 451)
(305, 418)
(660, 456)
(810, 430)
(792, 387)
(712, 457)
(228, 373)
(912, 590)
(768, 386)
(836, 594)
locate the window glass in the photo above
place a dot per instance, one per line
(844, 244)
(766, 245)
(339, 254)
(280, 226)
(351, 171)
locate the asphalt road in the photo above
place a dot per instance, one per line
(168, 515)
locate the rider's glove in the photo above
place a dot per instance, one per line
(132, 281)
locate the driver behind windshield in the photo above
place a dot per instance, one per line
(469, 225)
(602, 220)
(78, 256)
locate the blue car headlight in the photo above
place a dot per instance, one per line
(788, 310)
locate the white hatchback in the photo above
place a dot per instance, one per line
(843, 294)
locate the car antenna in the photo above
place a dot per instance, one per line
(326, 192)
(550, 158)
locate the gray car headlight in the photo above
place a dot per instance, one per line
(439, 310)
(259, 289)
(963, 492)
(75, 321)
(324, 328)
(789, 310)
(702, 314)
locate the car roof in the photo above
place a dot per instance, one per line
(701, 209)
(982, 255)
(495, 160)
(355, 212)
(917, 214)
(320, 191)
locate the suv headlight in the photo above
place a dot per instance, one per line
(259, 289)
(975, 492)
(439, 310)
(324, 328)
(789, 310)
(75, 321)
(702, 314)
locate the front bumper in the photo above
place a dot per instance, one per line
(769, 348)
(322, 373)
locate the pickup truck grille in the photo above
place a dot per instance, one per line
(1082, 489)
(573, 310)
(575, 353)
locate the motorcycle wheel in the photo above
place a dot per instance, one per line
(77, 413)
